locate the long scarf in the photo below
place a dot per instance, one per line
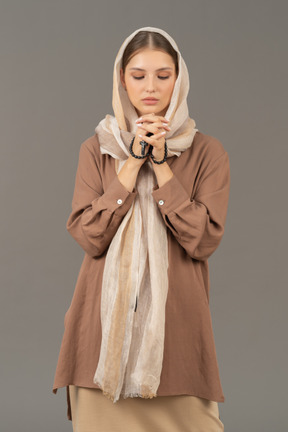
(136, 263)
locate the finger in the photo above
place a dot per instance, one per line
(148, 128)
(155, 120)
(152, 118)
(153, 139)
(159, 135)
(159, 124)
(154, 129)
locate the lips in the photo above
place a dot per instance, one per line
(150, 101)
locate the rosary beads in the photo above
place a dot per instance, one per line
(144, 144)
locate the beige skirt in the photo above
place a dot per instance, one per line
(93, 412)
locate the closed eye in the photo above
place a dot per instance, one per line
(162, 78)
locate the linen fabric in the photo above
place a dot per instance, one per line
(193, 205)
(136, 263)
(92, 412)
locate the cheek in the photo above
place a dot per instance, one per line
(169, 89)
(133, 88)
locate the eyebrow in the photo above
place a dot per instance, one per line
(143, 70)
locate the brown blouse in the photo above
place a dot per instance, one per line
(193, 204)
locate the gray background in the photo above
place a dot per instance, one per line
(56, 85)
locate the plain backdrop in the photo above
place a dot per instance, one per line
(56, 85)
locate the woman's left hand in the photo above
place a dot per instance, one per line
(157, 125)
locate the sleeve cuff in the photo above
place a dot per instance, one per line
(170, 196)
(117, 198)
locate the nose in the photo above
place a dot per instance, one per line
(150, 84)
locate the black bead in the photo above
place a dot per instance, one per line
(165, 155)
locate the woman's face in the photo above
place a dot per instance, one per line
(149, 74)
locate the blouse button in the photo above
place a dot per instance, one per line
(119, 201)
(161, 202)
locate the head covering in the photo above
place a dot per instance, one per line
(136, 263)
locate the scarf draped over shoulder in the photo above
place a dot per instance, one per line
(136, 263)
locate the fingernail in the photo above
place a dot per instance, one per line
(140, 118)
(163, 133)
(165, 124)
(140, 136)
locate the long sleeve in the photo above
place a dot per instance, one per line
(197, 222)
(96, 215)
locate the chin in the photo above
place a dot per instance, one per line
(152, 109)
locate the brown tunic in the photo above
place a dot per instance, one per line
(194, 212)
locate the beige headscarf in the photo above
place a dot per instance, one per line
(136, 263)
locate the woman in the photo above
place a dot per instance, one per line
(149, 208)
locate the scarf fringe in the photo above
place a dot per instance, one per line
(143, 396)
(130, 395)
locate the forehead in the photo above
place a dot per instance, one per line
(149, 59)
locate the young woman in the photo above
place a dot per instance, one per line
(149, 208)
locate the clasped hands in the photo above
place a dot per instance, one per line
(158, 126)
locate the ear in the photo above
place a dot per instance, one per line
(122, 79)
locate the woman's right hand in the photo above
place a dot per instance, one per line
(129, 171)
(137, 147)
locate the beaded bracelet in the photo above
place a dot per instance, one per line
(165, 155)
(149, 152)
(133, 154)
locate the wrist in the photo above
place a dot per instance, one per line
(158, 155)
(133, 163)
(137, 153)
(157, 158)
